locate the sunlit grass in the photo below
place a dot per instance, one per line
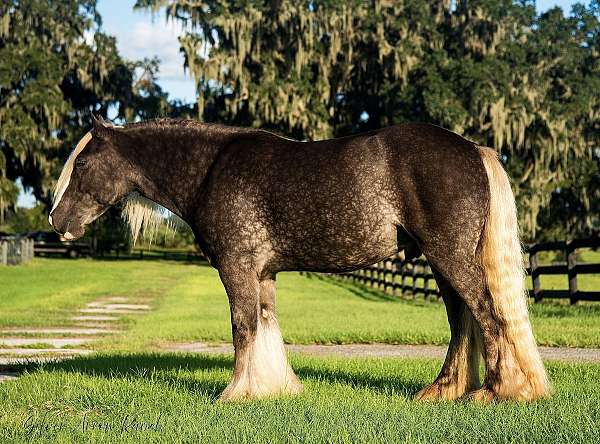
(130, 394)
(189, 304)
(345, 400)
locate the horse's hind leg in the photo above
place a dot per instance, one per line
(460, 372)
(261, 368)
(513, 367)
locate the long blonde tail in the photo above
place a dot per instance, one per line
(502, 261)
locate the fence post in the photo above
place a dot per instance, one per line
(535, 277)
(572, 272)
(376, 276)
(425, 283)
(4, 253)
(386, 276)
(402, 277)
(394, 278)
(414, 279)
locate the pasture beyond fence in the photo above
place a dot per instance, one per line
(141, 254)
(15, 251)
(398, 276)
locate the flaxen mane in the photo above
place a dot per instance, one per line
(145, 218)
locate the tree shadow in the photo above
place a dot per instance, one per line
(157, 367)
(385, 385)
(144, 366)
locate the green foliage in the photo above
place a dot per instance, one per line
(56, 67)
(23, 220)
(489, 69)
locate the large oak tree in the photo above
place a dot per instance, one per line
(56, 67)
(491, 70)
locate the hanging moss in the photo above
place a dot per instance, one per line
(492, 71)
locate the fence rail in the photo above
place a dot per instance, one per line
(15, 251)
(399, 276)
(571, 268)
(142, 254)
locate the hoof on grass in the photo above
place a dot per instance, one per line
(441, 391)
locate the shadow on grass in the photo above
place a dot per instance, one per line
(385, 385)
(158, 367)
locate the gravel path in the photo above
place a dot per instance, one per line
(386, 350)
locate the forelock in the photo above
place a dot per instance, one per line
(65, 175)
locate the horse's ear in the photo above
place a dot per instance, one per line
(101, 128)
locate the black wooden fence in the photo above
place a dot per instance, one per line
(15, 251)
(141, 254)
(398, 276)
(570, 268)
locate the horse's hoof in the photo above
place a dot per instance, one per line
(235, 392)
(484, 395)
(440, 391)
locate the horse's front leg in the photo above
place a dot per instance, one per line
(261, 368)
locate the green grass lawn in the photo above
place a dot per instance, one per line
(172, 398)
(129, 393)
(189, 304)
(46, 292)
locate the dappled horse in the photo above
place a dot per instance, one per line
(259, 204)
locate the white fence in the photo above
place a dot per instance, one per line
(15, 251)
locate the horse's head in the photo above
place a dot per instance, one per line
(95, 177)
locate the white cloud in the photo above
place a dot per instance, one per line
(154, 39)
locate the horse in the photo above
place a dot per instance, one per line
(259, 204)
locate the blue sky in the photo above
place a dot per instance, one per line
(139, 35)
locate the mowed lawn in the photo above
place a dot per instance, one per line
(129, 392)
(172, 398)
(190, 304)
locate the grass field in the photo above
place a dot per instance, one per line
(171, 398)
(131, 393)
(189, 304)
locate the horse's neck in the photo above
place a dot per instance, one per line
(173, 163)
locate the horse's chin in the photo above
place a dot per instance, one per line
(73, 234)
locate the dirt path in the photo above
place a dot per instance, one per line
(387, 350)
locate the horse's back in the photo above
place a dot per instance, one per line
(339, 203)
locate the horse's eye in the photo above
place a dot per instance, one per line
(80, 163)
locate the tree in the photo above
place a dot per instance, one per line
(56, 67)
(488, 69)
